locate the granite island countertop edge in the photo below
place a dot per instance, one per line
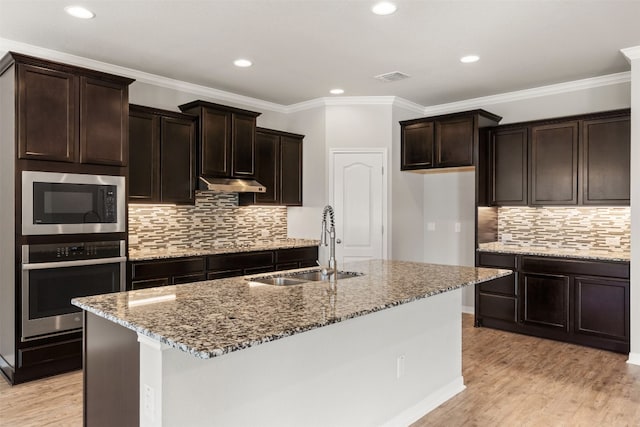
(243, 344)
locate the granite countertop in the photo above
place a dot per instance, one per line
(152, 254)
(594, 254)
(212, 318)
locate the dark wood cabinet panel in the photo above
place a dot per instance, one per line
(509, 167)
(267, 167)
(144, 156)
(291, 171)
(70, 114)
(602, 307)
(554, 164)
(454, 142)
(104, 122)
(226, 139)
(47, 110)
(177, 160)
(278, 168)
(416, 142)
(606, 165)
(498, 307)
(545, 300)
(215, 145)
(173, 271)
(503, 286)
(243, 146)
(162, 156)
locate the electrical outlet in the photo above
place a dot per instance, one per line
(457, 227)
(148, 401)
(264, 233)
(431, 226)
(400, 366)
(506, 237)
(133, 239)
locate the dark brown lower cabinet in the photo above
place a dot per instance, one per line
(174, 271)
(574, 300)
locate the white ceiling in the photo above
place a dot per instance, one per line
(303, 48)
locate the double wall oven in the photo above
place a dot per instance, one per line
(69, 207)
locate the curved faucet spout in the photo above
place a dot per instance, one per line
(331, 233)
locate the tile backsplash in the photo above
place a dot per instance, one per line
(216, 220)
(566, 227)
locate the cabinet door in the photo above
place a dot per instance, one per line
(545, 301)
(554, 164)
(177, 148)
(267, 170)
(606, 165)
(454, 142)
(602, 307)
(215, 150)
(291, 171)
(417, 146)
(104, 122)
(243, 146)
(509, 167)
(47, 114)
(144, 157)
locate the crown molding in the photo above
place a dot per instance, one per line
(559, 88)
(631, 53)
(7, 45)
(207, 92)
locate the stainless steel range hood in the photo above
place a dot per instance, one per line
(231, 185)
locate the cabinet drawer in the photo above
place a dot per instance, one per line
(240, 261)
(497, 307)
(188, 278)
(213, 275)
(296, 254)
(150, 269)
(149, 283)
(287, 266)
(504, 285)
(618, 270)
(489, 259)
(48, 353)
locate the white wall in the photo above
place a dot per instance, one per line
(449, 200)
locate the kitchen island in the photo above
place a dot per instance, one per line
(380, 348)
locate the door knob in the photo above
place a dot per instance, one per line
(338, 241)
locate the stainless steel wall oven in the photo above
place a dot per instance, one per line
(53, 274)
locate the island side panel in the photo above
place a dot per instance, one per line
(111, 373)
(343, 374)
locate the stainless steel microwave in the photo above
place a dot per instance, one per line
(66, 203)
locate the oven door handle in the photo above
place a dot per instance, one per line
(81, 262)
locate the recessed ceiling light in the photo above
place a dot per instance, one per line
(336, 91)
(242, 63)
(469, 59)
(384, 8)
(79, 12)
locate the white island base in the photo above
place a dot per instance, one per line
(385, 368)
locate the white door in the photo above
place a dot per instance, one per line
(359, 200)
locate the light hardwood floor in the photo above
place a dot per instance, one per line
(512, 380)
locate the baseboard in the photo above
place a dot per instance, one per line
(426, 405)
(634, 359)
(469, 309)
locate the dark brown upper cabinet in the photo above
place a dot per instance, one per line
(162, 156)
(278, 168)
(509, 166)
(554, 164)
(226, 139)
(577, 160)
(445, 141)
(69, 114)
(606, 165)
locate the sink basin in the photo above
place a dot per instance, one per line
(300, 277)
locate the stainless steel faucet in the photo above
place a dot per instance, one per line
(331, 232)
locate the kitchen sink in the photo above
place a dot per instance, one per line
(300, 277)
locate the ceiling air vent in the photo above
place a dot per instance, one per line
(393, 76)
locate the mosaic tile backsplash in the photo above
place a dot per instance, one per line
(216, 220)
(566, 227)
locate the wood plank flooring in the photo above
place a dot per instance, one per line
(512, 380)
